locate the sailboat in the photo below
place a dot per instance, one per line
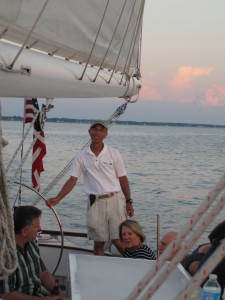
(80, 49)
(76, 49)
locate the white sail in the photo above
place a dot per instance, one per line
(83, 39)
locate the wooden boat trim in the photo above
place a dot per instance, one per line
(65, 233)
(66, 247)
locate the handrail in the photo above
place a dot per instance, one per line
(65, 233)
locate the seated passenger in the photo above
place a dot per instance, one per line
(193, 262)
(216, 237)
(167, 239)
(133, 238)
(25, 282)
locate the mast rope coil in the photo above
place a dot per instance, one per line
(8, 254)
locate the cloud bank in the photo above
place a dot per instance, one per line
(182, 87)
(185, 75)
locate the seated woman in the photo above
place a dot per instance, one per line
(193, 262)
(216, 237)
(133, 238)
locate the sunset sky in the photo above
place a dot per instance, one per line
(183, 68)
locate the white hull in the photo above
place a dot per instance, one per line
(115, 278)
(89, 277)
(52, 77)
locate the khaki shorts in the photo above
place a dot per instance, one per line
(104, 217)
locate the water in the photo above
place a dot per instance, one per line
(170, 169)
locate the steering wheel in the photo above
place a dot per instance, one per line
(56, 216)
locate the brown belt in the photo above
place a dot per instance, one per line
(109, 195)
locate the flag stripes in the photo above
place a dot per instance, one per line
(39, 151)
(31, 108)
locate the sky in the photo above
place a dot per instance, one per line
(182, 67)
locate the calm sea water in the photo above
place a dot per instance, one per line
(171, 170)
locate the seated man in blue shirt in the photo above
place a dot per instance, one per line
(25, 282)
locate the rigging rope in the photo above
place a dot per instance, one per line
(119, 111)
(19, 193)
(113, 35)
(21, 143)
(121, 46)
(8, 255)
(23, 159)
(93, 46)
(28, 36)
(132, 47)
(38, 123)
(184, 241)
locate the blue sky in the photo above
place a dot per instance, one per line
(183, 68)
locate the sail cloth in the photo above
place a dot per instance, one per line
(31, 108)
(71, 48)
(68, 29)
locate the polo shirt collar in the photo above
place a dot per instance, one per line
(88, 150)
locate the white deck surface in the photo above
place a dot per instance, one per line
(111, 278)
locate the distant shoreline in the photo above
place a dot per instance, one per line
(143, 123)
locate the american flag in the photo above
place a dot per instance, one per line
(31, 108)
(39, 151)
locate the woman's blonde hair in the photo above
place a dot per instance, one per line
(135, 227)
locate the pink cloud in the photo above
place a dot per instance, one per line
(148, 92)
(180, 89)
(214, 96)
(185, 75)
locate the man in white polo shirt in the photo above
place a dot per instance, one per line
(105, 177)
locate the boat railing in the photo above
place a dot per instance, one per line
(65, 233)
